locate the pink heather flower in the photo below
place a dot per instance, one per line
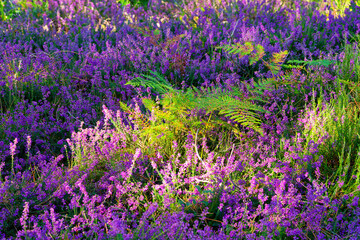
(317, 172)
(159, 136)
(342, 119)
(158, 155)
(109, 191)
(25, 215)
(28, 143)
(134, 137)
(341, 183)
(108, 115)
(137, 154)
(135, 157)
(1, 166)
(53, 219)
(175, 145)
(153, 164)
(13, 147)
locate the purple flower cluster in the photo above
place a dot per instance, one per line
(75, 165)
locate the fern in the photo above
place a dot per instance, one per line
(243, 50)
(319, 62)
(177, 104)
(238, 110)
(259, 54)
(256, 53)
(158, 83)
(276, 61)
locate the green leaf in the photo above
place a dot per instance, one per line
(156, 32)
(198, 188)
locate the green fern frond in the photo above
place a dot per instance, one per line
(278, 58)
(262, 85)
(124, 107)
(242, 111)
(319, 62)
(237, 48)
(158, 83)
(148, 103)
(259, 54)
(292, 66)
(276, 61)
(177, 104)
(256, 53)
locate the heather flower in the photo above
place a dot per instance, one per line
(1, 166)
(135, 157)
(13, 147)
(51, 84)
(25, 215)
(28, 143)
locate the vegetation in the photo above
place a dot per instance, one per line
(179, 119)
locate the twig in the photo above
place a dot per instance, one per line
(196, 150)
(91, 125)
(199, 180)
(237, 22)
(232, 181)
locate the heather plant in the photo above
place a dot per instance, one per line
(333, 127)
(256, 141)
(348, 64)
(163, 169)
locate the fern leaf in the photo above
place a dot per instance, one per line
(275, 62)
(148, 103)
(291, 66)
(319, 62)
(274, 69)
(241, 111)
(124, 107)
(278, 58)
(243, 50)
(259, 54)
(296, 61)
(158, 83)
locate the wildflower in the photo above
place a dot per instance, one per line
(135, 157)
(342, 119)
(13, 147)
(28, 143)
(25, 215)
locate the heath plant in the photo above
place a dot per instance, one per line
(332, 128)
(179, 119)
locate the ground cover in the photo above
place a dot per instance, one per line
(179, 119)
